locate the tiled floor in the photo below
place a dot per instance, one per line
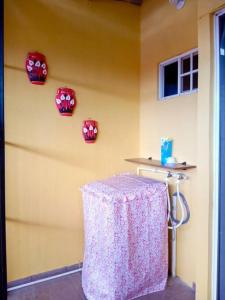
(69, 288)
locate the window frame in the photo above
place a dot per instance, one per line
(178, 59)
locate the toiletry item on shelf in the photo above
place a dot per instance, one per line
(166, 149)
(171, 161)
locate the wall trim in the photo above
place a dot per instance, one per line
(216, 159)
(216, 127)
(43, 277)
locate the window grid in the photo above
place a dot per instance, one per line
(178, 59)
(179, 78)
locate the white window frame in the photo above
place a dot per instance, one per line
(177, 59)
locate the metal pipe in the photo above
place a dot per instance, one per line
(177, 175)
(20, 286)
(174, 241)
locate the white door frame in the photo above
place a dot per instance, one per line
(216, 159)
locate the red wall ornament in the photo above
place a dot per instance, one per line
(36, 67)
(90, 131)
(65, 101)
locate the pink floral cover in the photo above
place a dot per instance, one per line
(126, 238)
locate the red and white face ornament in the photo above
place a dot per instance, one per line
(65, 101)
(90, 131)
(36, 67)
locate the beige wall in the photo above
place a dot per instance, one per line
(165, 33)
(92, 47)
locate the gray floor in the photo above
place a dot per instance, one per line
(69, 288)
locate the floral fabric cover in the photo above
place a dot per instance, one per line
(126, 237)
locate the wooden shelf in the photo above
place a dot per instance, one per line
(157, 164)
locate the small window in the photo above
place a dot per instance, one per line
(179, 75)
(171, 79)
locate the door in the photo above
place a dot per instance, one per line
(220, 33)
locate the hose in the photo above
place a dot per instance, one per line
(187, 209)
(183, 205)
(168, 199)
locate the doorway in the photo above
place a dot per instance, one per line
(218, 271)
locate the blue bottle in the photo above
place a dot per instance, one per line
(166, 149)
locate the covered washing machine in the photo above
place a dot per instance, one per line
(126, 237)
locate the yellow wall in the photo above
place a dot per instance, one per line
(165, 33)
(205, 198)
(205, 7)
(92, 47)
(203, 180)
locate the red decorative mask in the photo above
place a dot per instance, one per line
(65, 101)
(90, 131)
(36, 67)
